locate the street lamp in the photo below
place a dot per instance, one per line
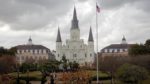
(18, 81)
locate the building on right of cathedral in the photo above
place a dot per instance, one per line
(116, 49)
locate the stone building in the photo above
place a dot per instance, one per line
(32, 52)
(116, 49)
(75, 49)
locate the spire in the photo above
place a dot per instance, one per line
(30, 41)
(124, 40)
(58, 36)
(74, 24)
(90, 35)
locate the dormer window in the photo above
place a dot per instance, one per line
(105, 50)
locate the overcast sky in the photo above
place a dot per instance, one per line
(20, 19)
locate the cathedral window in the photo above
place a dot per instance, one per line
(91, 55)
(74, 55)
(85, 55)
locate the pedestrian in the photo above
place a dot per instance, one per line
(52, 79)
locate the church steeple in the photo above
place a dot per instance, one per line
(90, 35)
(74, 24)
(58, 36)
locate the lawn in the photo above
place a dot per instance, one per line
(101, 74)
(34, 74)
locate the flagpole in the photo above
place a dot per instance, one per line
(97, 43)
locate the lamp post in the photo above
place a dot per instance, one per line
(27, 82)
(18, 81)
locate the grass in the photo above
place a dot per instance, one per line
(101, 74)
(36, 74)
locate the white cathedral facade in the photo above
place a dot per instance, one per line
(75, 49)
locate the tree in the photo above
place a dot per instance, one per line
(141, 60)
(75, 65)
(138, 49)
(7, 64)
(128, 73)
(147, 43)
(10, 52)
(64, 62)
(110, 64)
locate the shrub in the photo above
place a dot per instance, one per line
(128, 73)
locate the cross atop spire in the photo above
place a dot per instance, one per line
(58, 36)
(90, 35)
(74, 24)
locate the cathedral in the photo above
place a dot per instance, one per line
(75, 49)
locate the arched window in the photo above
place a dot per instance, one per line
(74, 55)
(91, 55)
(85, 55)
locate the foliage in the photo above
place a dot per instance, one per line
(76, 77)
(10, 52)
(131, 73)
(27, 66)
(35, 75)
(140, 49)
(147, 43)
(110, 64)
(71, 65)
(141, 60)
(48, 66)
(7, 64)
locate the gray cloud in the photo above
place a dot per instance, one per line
(40, 19)
(32, 14)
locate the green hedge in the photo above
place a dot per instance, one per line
(101, 78)
(30, 78)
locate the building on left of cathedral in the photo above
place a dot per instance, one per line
(33, 52)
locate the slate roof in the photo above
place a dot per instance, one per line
(74, 24)
(30, 47)
(117, 46)
(58, 36)
(90, 35)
